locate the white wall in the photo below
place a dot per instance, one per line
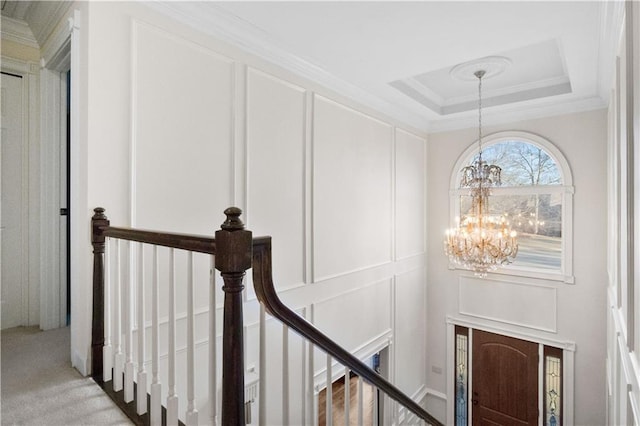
(20, 57)
(579, 308)
(623, 319)
(180, 126)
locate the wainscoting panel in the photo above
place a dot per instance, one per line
(352, 189)
(276, 181)
(410, 321)
(410, 184)
(182, 127)
(363, 313)
(202, 124)
(282, 346)
(526, 305)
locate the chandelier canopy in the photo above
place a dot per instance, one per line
(481, 241)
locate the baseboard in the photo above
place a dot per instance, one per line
(129, 408)
(436, 403)
(435, 393)
(80, 363)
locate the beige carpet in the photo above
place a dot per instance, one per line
(39, 386)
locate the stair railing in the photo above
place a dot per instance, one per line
(233, 251)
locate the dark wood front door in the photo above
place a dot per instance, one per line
(505, 380)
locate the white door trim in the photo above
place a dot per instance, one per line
(31, 177)
(62, 52)
(568, 374)
(50, 201)
(55, 62)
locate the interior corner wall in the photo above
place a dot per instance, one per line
(623, 301)
(19, 51)
(580, 307)
(22, 60)
(179, 126)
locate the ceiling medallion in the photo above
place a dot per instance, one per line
(491, 65)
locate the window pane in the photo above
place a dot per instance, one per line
(538, 220)
(461, 380)
(552, 386)
(523, 164)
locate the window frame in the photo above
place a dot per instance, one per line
(566, 191)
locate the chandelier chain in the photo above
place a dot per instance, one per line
(480, 74)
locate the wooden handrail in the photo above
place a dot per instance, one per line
(236, 251)
(267, 295)
(197, 243)
(234, 244)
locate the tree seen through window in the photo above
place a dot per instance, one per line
(529, 199)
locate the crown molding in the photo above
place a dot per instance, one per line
(215, 21)
(510, 114)
(45, 16)
(514, 90)
(18, 31)
(611, 25)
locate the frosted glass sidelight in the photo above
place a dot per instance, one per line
(552, 386)
(461, 379)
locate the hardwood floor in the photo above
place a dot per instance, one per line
(338, 403)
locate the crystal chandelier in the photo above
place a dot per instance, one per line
(481, 241)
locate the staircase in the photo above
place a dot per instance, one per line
(133, 268)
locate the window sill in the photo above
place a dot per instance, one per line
(525, 273)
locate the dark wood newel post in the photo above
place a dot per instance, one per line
(233, 258)
(98, 222)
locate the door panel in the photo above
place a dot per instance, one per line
(505, 380)
(12, 209)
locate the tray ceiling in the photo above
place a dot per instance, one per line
(397, 56)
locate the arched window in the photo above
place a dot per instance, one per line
(536, 197)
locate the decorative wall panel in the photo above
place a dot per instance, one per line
(181, 133)
(276, 159)
(410, 187)
(520, 304)
(410, 321)
(352, 184)
(364, 314)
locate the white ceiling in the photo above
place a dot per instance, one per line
(364, 46)
(15, 9)
(561, 53)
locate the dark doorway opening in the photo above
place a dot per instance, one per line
(66, 210)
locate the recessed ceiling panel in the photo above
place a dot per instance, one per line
(530, 72)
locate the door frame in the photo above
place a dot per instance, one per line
(568, 350)
(53, 135)
(59, 56)
(29, 72)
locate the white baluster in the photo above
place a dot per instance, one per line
(262, 387)
(303, 382)
(360, 402)
(172, 398)
(285, 375)
(347, 395)
(192, 412)
(315, 412)
(107, 349)
(128, 307)
(329, 394)
(213, 376)
(141, 397)
(312, 400)
(374, 393)
(117, 332)
(156, 387)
